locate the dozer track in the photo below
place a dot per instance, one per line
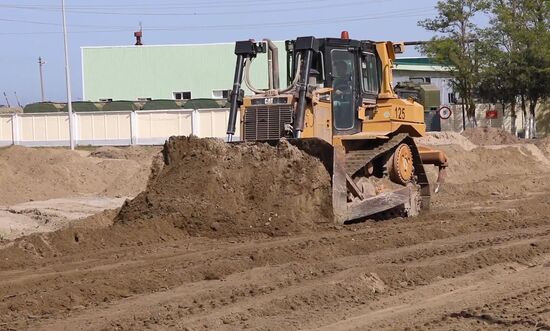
(357, 159)
(343, 164)
(349, 162)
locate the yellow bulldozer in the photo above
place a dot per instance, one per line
(340, 107)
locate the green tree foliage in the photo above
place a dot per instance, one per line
(455, 45)
(499, 81)
(506, 62)
(519, 35)
(532, 38)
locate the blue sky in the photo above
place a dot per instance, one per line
(29, 29)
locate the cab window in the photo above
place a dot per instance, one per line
(343, 104)
(369, 69)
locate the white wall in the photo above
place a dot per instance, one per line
(112, 128)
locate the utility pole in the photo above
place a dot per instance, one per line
(17, 99)
(7, 101)
(68, 77)
(463, 115)
(40, 64)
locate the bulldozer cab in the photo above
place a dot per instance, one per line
(350, 67)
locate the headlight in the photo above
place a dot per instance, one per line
(325, 97)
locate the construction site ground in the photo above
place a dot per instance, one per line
(186, 255)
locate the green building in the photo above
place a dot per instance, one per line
(181, 72)
(167, 71)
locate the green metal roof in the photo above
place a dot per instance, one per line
(119, 106)
(82, 106)
(415, 61)
(201, 103)
(418, 64)
(407, 67)
(42, 107)
(161, 105)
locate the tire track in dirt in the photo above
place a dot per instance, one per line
(348, 273)
(444, 305)
(297, 281)
(274, 249)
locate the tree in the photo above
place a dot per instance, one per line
(499, 81)
(533, 39)
(519, 60)
(457, 46)
(496, 86)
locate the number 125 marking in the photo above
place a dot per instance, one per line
(400, 113)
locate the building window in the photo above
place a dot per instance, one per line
(452, 98)
(418, 80)
(421, 80)
(186, 95)
(220, 94)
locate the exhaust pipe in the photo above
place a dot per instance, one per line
(235, 96)
(272, 64)
(244, 50)
(307, 45)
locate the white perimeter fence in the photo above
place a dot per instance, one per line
(112, 128)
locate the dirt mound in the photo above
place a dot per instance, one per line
(490, 172)
(211, 188)
(10, 110)
(446, 138)
(483, 163)
(543, 144)
(49, 173)
(124, 153)
(489, 136)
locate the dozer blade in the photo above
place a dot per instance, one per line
(334, 160)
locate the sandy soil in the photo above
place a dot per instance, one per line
(489, 136)
(44, 189)
(49, 215)
(30, 174)
(479, 260)
(211, 188)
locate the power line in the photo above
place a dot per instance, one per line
(188, 5)
(60, 32)
(279, 8)
(395, 13)
(324, 21)
(56, 24)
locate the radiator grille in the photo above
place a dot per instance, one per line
(266, 122)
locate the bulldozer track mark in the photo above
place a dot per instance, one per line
(259, 294)
(428, 307)
(495, 241)
(491, 319)
(336, 265)
(294, 245)
(525, 308)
